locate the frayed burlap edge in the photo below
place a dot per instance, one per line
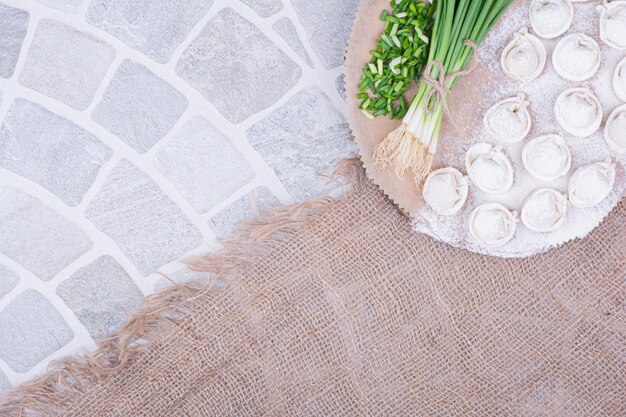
(69, 379)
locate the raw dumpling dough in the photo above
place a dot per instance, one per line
(445, 191)
(591, 184)
(492, 224)
(578, 111)
(576, 57)
(619, 80)
(524, 57)
(544, 210)
(488, 168)
(615, 130)
(508, 121)
(547, 157)
(613, 23)
(551, 18)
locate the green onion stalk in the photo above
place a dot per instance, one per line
(460, 27)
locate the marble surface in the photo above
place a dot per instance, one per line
(135, 134)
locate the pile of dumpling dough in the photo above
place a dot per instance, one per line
(576, 57)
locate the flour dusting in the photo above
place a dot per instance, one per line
(542, 94)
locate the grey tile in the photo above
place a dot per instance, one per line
(102, 296)
(264, 8)
(285, 28)
(139, 107)
(4, 383)
(328, 24)
(340, 85)
(8, 280)
(306, 137)
(203, 164)
(155, 28)
(51, 151)
(67, 6)
(13, 25)
(66, 64)
(30, 330)
(36, 237)
(146, 225)
(240, 75)
(257, 202)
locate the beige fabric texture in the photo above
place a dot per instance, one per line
(337, 308)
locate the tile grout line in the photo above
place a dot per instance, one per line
(248, 151)
(98, 238)
(318, 76)
(122, 53)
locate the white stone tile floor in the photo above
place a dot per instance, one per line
(137, 133)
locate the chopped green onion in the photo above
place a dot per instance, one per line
(367, 114)
(396, 41)
(393, 65)
(399, 57)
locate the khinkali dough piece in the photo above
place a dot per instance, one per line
(551, 18)
(445, 191)
(508, 120)
(488, 168)
(544, 210)
(492, 224)
(576, 57)
(615, 130)
(524, 58)
(547, 157)
(619, 80)
(613, 23)
(591, 184)
(578, 111)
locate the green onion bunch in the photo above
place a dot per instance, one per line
(459, 27)
(400, 56)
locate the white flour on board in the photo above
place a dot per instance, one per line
(542, 94)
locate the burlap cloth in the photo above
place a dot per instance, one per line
(339, 308)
